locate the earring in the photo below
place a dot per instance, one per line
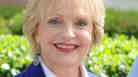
(36, 59)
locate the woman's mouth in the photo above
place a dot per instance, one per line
(62, 47)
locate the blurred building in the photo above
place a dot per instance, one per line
(122, 4)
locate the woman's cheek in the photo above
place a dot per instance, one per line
(85, 37)
(49, 34)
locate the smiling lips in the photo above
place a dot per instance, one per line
(62, 47)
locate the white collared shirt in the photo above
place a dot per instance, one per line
(134, 69)
(49, 73)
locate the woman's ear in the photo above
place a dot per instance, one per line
(36, 33)
(36, 36)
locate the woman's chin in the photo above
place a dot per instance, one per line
(66, 61)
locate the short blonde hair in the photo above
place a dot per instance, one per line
(33, 17)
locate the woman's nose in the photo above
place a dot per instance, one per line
(68, 33)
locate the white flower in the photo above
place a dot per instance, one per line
(10, 53)
(2, 36)
(101, 48)
(14, 72)
(5, 66)
(103, 75)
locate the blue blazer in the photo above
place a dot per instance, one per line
(36, 71)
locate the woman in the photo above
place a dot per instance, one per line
(61, 32)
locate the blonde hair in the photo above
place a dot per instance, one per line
(34, 14)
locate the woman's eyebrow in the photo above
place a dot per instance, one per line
(56, 16)
(83, 17)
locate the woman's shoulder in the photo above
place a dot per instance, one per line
(32, 71)
(36, 71)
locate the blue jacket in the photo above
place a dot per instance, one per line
(36, 71)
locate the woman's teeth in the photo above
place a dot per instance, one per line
(63, 46)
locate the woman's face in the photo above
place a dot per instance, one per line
(67, 24)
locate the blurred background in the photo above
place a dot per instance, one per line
(113, 57)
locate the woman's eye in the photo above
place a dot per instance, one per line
(53, 22)
(81, 23)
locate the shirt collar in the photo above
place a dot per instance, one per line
(49, 73)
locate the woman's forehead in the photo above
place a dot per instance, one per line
(67, 3)
(68, 12)
(69, 7)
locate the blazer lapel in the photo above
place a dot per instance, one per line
(37, 71)
(32, 71)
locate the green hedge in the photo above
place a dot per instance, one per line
(14, 55)
(15, 24)
(11, 20)
(8, 12)
(3, 26)
(116, 21)
(112, 58)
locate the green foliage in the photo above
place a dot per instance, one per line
(112, 58)
(3, 28)
(14, 55)
(15, 24)
(121, 21)
(8, 12)
(11, 20)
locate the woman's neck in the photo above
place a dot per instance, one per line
(64, 70)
